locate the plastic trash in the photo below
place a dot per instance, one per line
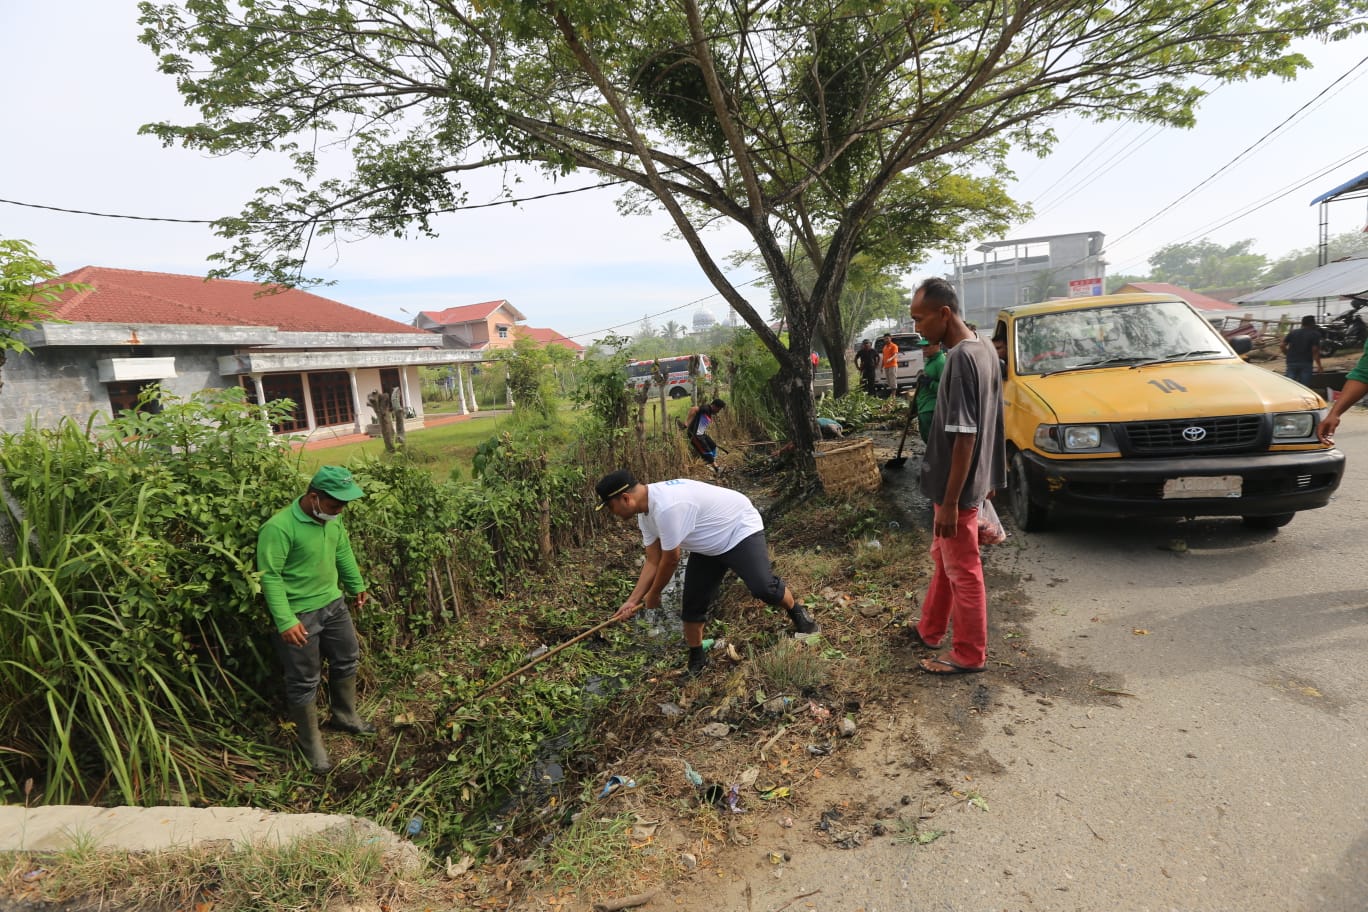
(990, 531)
(734, 800)
(616, 782)
(415, 826)
(537, 653)
(775, 793)
(694, 779)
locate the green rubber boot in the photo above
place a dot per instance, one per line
(344, 715)
(305, 719)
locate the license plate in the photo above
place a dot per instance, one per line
(1192, 486)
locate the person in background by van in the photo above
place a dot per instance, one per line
(888, 360)
(867, 362)
(696, 426)
(928, 383)
(1301, 347)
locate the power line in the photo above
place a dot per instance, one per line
(1266, 201)
(662, 313)
(1248, 149)
(316, 221)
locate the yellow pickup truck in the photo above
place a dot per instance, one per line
(1133, 405)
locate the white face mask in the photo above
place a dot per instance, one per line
(322, 517)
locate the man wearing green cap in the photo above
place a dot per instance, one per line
(306, 560)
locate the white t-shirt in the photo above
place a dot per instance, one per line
(697, 517)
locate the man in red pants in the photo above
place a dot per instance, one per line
(964, 463)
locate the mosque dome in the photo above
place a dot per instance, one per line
(703, 319)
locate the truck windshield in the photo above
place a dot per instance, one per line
(1125, 334)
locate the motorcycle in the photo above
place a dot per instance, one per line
(1348, 330)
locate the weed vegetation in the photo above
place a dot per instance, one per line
(137, 665)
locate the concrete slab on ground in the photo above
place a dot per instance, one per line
(136, 829)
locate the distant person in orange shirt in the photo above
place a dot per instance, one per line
(888, 360)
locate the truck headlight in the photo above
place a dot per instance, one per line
(1074, 438)
(1292, 425)
(1084, 437)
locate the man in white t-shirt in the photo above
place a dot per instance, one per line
(721, 530)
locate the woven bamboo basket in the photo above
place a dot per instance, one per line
(847, 466)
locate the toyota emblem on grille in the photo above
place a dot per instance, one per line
(1194, 434)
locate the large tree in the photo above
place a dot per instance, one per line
(1206, 264)
(797, 120)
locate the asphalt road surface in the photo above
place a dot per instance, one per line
(1234, 774)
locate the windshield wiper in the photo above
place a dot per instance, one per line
(1101, 362)
(1177, 356)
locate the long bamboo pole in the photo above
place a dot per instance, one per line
(543, 657)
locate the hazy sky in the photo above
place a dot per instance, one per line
(77, 85)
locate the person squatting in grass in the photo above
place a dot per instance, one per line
(964, 463)
(721, 530)
(696, 426)
(303, 552)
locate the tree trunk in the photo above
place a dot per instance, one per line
(833, 338)
(380, 404)
(398, 406)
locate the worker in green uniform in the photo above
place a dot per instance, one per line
(927, 385)
(306, 561)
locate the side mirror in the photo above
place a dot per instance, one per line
(1243, 345)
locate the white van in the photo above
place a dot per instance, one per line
(675, 370)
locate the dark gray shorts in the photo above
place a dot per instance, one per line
(749, 560)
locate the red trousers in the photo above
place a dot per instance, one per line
(957, 595)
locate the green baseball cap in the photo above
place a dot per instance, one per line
(337, 483)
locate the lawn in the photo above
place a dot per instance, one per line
(440, 448)
(450, 446)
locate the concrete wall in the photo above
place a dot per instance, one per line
(49, 384)
(52, 383)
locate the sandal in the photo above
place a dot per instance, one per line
(938, 666)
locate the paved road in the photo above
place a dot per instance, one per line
(1235, 778)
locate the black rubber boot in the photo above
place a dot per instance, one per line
(698, 660)
(305, 719)
(803, 621)
(344, 715)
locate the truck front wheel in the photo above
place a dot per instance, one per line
(1028, 515)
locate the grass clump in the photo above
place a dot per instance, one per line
(792, 667)
(315, 872)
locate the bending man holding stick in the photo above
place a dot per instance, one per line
(721, 530)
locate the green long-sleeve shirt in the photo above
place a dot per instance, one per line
(926, 394)
(301, 561)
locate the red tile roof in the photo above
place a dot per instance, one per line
(134, 296)
(470, 313)
(1195, 298)
(548, 337)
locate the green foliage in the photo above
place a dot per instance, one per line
(854, 410)
(603, 388)
(131, 629)
(530, 378)
(27, 292)
(750, 372)
(1304, 259)
(1205, 264)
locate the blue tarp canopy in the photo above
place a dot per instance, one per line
(1358, 183)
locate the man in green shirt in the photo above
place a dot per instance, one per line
(927, 385)
(1355, 388)
(306, 560)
